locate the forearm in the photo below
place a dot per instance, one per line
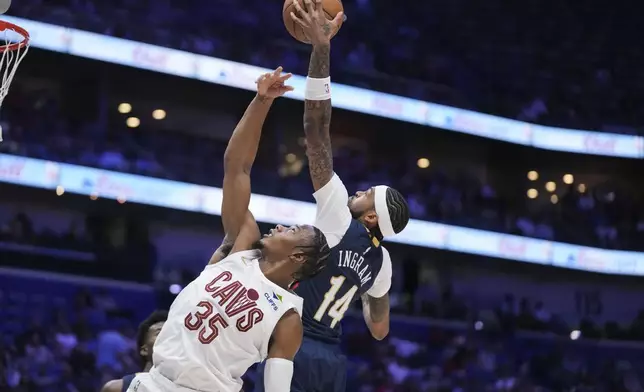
(317, 121)
(244, 142)
(376, 315)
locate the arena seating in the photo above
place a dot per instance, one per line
(63, 333)
(456, 197)
(516, 61)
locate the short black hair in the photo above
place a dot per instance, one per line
(316, 253)
(398, 210)
(158, 316)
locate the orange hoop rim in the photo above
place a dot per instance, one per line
(4, 25)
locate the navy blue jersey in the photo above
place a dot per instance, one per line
(357, 265)
(351, 270)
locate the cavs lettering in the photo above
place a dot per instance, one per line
(237, 303)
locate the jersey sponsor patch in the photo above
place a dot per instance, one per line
(273, 299)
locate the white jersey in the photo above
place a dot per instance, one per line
(220, 325)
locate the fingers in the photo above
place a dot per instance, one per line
(310, 6)
(285, 77)
(262, 77)
(302, 15)
(299, 21)
(339, 18)
(277, 72)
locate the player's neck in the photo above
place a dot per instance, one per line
(272, 272)
(147, 367)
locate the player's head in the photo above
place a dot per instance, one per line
(148, 332)
(303, 247)
(382, 209)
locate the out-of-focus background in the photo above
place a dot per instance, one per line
(521, 270)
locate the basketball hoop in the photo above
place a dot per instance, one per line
(14, 44)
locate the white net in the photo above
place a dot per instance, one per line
(14, 44)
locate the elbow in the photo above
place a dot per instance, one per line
(379, 331)
(233, 164)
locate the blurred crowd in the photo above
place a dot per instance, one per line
(604, 215)
(73, 337)
(567, 65)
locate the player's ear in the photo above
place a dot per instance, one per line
(143, 351)
(371, 218)
(298, 258)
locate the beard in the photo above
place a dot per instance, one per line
(354, 214)
(257, 245)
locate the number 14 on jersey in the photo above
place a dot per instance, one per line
(340, 306)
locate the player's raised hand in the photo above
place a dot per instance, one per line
(271, 84)
(316, 26)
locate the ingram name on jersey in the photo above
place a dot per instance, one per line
(357, 265)
(221, 324)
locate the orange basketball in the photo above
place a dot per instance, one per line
(331, 9)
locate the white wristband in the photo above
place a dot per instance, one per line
(317, 89)
(278, 374)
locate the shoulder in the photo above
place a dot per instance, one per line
(113, 386)
(382, 283)
(289, 326)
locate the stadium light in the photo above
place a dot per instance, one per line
(551, 186)
(533, 175)
(581, 188)
(158, 114)
(423, 163)
(124, 108)
(60, 190)
(533, 193)
(568, 179)
(132, 122)
(554, 199)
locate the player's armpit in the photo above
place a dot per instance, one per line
(376, 315)
(222, 252)
(248, 234)
(317, 122)
(113, 386)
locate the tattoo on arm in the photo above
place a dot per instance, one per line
(317, 121)
(377, 308)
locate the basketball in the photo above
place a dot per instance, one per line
(330, 7)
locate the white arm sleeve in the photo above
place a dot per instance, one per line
(333, 216)
(382, 284)
(277, 375)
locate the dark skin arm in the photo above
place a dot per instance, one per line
(238, 160)
(317, 122)
(239, 224)
(248, 231)
(113, 386)
(376, 315)
(287, 336)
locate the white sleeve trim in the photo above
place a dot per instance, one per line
(332, 216)
(382, 283)
(278, 374)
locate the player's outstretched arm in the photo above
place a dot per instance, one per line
(333, 216)
(375, 302)
(317, 103)
(286, 338)
(240, 156)
(317, 120)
